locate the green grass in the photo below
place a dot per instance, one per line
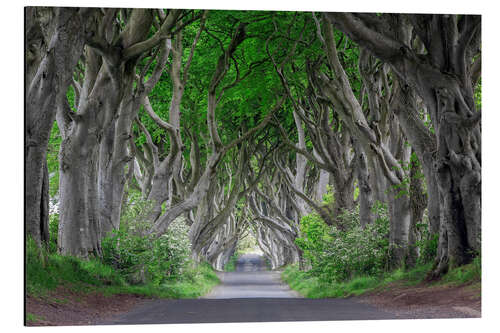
(46, 271)
(33, 318)
(195, 282)
(312, 287)
(411, 277)
(464, 274)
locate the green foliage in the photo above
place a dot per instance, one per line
(246, 244)
(356, 193)
(428, 244)
(46, 271)
(336, 255)
(53, 232)
(403, 189)
(132, 262)
(478, 95)
(465, 274)
(355, 261)
(143, 257)
(196, 280)
(328, 197)
(315, 239)
(313, 287)
(53, 160)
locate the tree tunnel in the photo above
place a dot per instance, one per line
(244, 122)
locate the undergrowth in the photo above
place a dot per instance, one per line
(353, 260)
(46, 271)
(464, 274)
(313, 287)
(132, 261)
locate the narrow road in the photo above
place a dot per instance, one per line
(251, 279)
(250, 294)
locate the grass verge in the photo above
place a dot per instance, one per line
(32, 318)
(311, 287)
(45, 272)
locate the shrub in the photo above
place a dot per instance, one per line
(336, 255)
(427, 243)
(428, 248)
(143, 257)
(53, 230)
(157, 266)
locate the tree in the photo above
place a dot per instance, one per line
(444, 76)
(111, 57)
(55, 38)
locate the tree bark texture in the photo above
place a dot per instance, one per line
(49, 83)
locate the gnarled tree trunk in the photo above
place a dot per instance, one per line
(49, 73)
(443, 79)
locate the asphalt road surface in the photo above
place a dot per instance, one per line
(250, 294)
(251, 279)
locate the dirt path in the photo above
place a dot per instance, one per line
(424, 301)
(63, 307)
